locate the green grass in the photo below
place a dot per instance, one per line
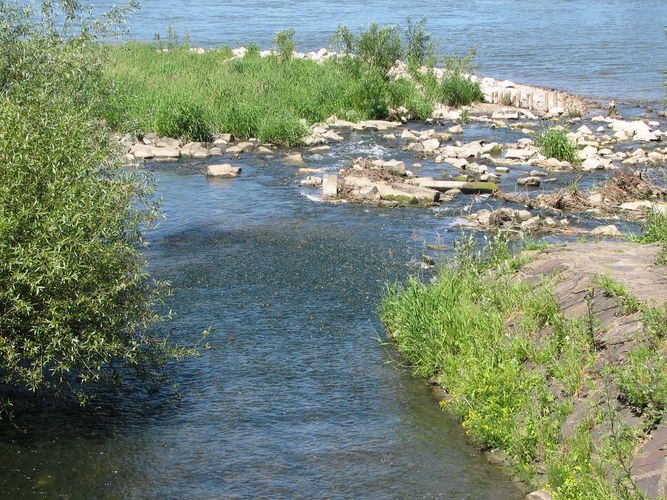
(613, 288)
(655, 231)
(554, 143)
(643, 380)
(275, 99)
(476, 330)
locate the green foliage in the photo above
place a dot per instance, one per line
(459, 90)
(192, 96)
(457, 87)
(655, 231)
(185, 121)
(615, 289)
(476, 329)
(418, 49)
(454, 328)
(643, 380)
(378, 47)
(284, 44)
(554, 143)
(74, 293)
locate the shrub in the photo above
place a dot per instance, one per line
(284, 44)
(554, 143)
(457, 87)
(379, 47)
(418, 48)
(459, 90)
(74, 293)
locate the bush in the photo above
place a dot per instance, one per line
(554, 143)
(457, 87)
(418, 46)
(459, 90)
(284, 44)
(74, 294)
(379, 47)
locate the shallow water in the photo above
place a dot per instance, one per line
(296, 396)
(599, 48)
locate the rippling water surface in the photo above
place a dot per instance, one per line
(296, 396)
(599, 48)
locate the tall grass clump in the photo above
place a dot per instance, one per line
(655, 231)
(554, 143)
(458, 88)
(74, 294)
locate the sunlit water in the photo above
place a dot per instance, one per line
(599, 48)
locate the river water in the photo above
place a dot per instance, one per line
(599, 48)
(297, 396)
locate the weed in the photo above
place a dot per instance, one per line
(643, 380)
(554, 143)
(506, 99)
(613, 288)
(655, 231)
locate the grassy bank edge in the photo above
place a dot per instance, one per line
(498, 347)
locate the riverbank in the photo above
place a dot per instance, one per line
(555, 357)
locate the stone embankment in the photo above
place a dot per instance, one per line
(574, 272)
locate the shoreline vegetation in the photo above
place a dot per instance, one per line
(275, 96)
(549, 362)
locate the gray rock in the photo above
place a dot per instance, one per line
(610, 230)
(539, 495)
(528, 181)
(223, 170)
(295, 159)
(330, 186)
